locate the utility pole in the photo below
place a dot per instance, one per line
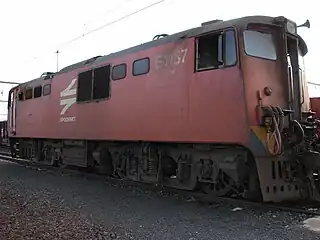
(57, 52)
(5, 82)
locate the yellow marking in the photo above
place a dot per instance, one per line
(261, 133)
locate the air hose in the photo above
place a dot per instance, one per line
(275, 127)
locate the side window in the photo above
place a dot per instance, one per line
(46, 90)
(94, 84)
(119, 71)
(21, 95)
(141, 66)
(29, 93)
(101, 82)
(216, 50)
(37, 91)
(231, 48)
(84, 92)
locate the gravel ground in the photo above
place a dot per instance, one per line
(40, 205)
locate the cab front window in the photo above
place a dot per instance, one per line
(259, 44)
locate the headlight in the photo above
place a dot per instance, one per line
(291, 27)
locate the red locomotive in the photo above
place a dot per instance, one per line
(223, 107)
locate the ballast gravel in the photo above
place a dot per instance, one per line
(43, 216)
(36, 204)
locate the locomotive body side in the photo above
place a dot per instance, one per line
(168, 104)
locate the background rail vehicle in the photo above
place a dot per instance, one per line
(315, 106)
(222, 108)
(4, 139)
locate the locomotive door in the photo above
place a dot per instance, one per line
(299, 95)
(264, 68)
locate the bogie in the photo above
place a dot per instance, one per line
(218, 171)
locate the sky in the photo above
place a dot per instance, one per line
(32, 31)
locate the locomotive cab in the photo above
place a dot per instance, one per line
(279, 106)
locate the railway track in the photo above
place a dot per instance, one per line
(296, 207)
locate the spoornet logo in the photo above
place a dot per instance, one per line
(70, 92)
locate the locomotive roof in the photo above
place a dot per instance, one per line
(216, 25)
(171, 38)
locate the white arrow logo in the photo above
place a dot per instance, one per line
(69, 91)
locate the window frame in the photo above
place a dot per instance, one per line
(125, 71)
(222, 32)
(140, 59)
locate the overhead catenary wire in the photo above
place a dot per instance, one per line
(85, 24)
(119, 6)
(63, 45)
(111, 23)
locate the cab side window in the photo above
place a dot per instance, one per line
(216, 50)
(141, 66)
(46, 90)
(29, 93)
(37, 91)
(94, 84)
(119, 72)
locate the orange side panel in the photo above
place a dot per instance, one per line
(171, 103)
